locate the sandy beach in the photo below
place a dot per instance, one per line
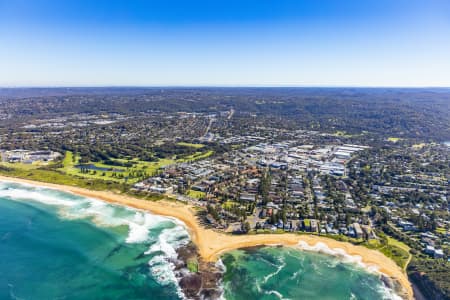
(211, 244)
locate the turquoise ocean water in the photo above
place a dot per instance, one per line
(286, 273)
(56, 245)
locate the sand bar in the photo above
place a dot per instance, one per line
(211, 244)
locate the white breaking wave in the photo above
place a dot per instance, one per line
(172, 235)
(11, 292)
(20, 194)
(319, 247)
(279, 268)
(294, 275)
(266, 278)
(221, 266)
(338, 252)
(161, 265)
(389, 294)
(276, 293)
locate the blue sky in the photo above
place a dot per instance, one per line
(225, 42)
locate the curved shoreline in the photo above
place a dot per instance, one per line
(211, 244)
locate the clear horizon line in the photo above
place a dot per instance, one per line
(225, 86)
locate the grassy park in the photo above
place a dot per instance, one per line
(124, 170)
(191, 145)
(196, 194)
(115, 172)
(47, 174)
(392, 248)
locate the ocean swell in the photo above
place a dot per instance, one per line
(343, 256)
(164, 235)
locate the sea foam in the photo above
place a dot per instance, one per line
(163, 234)
(320, 247)
(337, 252)
(280, 267)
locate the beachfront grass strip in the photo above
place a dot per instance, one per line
(58, 177)
(399, 256)
(392, 248)
(20, 166)
(398, 244)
